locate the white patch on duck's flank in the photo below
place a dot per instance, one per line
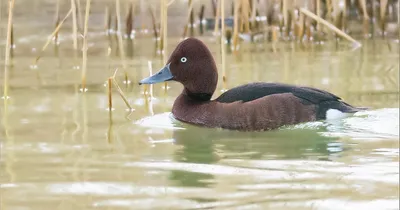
(334, 114)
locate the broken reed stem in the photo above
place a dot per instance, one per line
(110, 93)
(217, 17)
(74, 25)
(223, 41)
(329, 25)
(84, 48)
(8, 50)
(52, 35)
(121, 93)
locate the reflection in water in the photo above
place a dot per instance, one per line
(208, 146)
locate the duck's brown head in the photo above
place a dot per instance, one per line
(191, 64)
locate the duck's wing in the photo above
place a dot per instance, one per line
(253, 91)
(323, 100)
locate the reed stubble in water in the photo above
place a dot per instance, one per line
(8, 50)
(85, 47)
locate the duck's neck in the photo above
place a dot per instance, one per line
(200, 97)
(193, 107)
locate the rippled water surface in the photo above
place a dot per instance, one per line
(61, 148)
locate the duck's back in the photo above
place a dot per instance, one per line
(322, 100)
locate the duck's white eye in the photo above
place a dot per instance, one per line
(183, 59)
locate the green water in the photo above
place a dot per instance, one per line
(61, 148)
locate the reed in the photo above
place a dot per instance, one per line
(8, 51)
(85, 47)
(382, 12)
(79, 12)
(330, 26)
(107, 21)
(217, 18)
(222, 36)
(150, 101)
(201, 19)
(109, 85)
(129, 22)
(154, 22)
(57, 20)
(74, 25)
(189, 17)
(120, 43)
(165, 5)
(52, 36)
(236, 25)
(121, 93)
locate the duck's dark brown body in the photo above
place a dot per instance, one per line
(269, 112)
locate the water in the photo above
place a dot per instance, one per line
(61, 149)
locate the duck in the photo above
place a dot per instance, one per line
(257, 106)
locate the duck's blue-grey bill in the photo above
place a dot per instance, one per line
(163, 75)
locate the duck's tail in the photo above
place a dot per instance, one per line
(336, 110)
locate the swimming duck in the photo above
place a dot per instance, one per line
(250, 107)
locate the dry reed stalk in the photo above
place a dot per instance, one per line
(161, 44)
(329, 25)
(217, 17)
(57, 19)
(110, 94)
(120, 43)
(363, 5)
(107, 21)
(149, 64)
(383, 6)
(245, 15)
(254, 11)
(165, 13)
(236, 25)
(74, 25)
(79, 12)
(119, 32)
(121, 93)
(201, 18)
(190, 12)
(153, 21)
(129, 21)
(84, 48)
(149, 102)
(318, 12)
(8, 50)
(52, 35)
(222, 2)
(191, 19)
(299, 27)
(285, 13)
